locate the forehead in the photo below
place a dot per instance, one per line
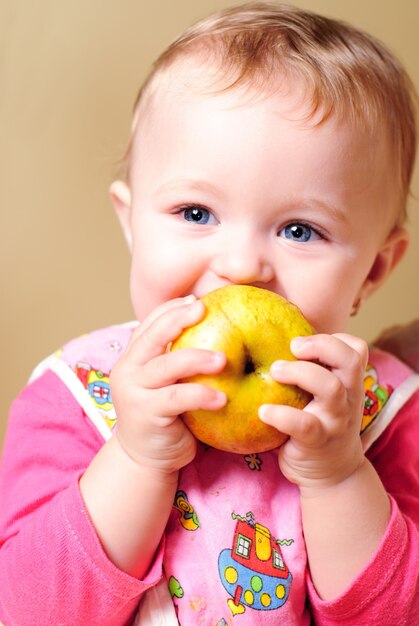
(188, 87)
(192, 77)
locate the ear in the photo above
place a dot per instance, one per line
(121, 200)
(388, 257)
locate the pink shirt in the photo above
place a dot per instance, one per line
(53, 569)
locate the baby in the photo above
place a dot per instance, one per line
(270, 147)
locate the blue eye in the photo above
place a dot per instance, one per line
(198, 215)
(299, 232)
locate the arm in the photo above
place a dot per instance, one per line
(343, 526)
(345, 507)
(51, 562)
(134, 477)
(78, 554)
(389, 585)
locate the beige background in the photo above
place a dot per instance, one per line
(69, 72)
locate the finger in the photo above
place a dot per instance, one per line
(300, 425)
(153, 340)
(357, 344)
(312, 377)
(160, 310)
(170, 367)
(334, 353)
(177, 399)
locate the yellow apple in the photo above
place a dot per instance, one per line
(253, 327)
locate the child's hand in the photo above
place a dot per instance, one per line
(324, 446)
(147, 397)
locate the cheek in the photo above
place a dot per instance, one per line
(324, 302)
(332, 318)
(159, 273)
(149, 284)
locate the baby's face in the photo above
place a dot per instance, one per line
(224, 190)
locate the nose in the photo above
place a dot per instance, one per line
(243, 259)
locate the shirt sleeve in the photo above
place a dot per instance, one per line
(387, 590)
(51, 561)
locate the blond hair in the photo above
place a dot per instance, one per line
(348, 73)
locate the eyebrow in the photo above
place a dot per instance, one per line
(338, 213)
(188, 185)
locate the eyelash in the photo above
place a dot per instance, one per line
(302, 226)
(199, 210)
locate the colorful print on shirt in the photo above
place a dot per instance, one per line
(376, 396)
(96, 383)
(253, 571)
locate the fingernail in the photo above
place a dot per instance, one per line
(189, 299)
(298, 343)
(277, 367)
(219, 399)
(195, 305)
(262, 411)
(217, 357)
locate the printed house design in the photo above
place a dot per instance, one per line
(254, 572)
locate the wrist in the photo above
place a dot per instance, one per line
(361, 489)
(338, 482)
(145, 468)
